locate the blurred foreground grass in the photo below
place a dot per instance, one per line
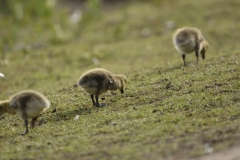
(168, 112)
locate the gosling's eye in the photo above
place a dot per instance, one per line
(110, 81)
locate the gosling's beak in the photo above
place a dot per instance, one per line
(122, 91)
(1, 75)
(203, 55)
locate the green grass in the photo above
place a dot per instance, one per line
(167, 112)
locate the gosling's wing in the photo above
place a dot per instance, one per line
(88, 83)
(1, 75)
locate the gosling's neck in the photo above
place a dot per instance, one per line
(118, 82)
(114, 85)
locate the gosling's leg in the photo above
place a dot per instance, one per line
(92, 97)
(26, 125)
(97, 103)
(184, 62)
(196, 56)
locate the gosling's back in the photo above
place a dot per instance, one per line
(95, 81)
(29, 104)
(186, 39)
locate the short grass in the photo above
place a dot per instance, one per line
(167, 112)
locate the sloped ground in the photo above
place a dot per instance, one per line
(167, 112)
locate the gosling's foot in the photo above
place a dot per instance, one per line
(101, 105)
(22, 134)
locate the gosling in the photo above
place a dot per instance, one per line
(98, 81)
(187, 40)
(26, 104)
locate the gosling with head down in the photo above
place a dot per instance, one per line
(187, 40)
(26, 104)
(98, 81)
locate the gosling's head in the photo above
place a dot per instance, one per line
(203, 48)
(122, 80)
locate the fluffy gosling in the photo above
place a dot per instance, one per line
(98, 81)
(187, 40)
(26, 104)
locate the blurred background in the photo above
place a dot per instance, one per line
(33, 24)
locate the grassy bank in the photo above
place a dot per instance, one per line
(167, 112)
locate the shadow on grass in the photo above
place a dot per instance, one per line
(171, 69)
(60, 115)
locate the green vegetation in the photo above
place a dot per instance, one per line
(168, 111)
